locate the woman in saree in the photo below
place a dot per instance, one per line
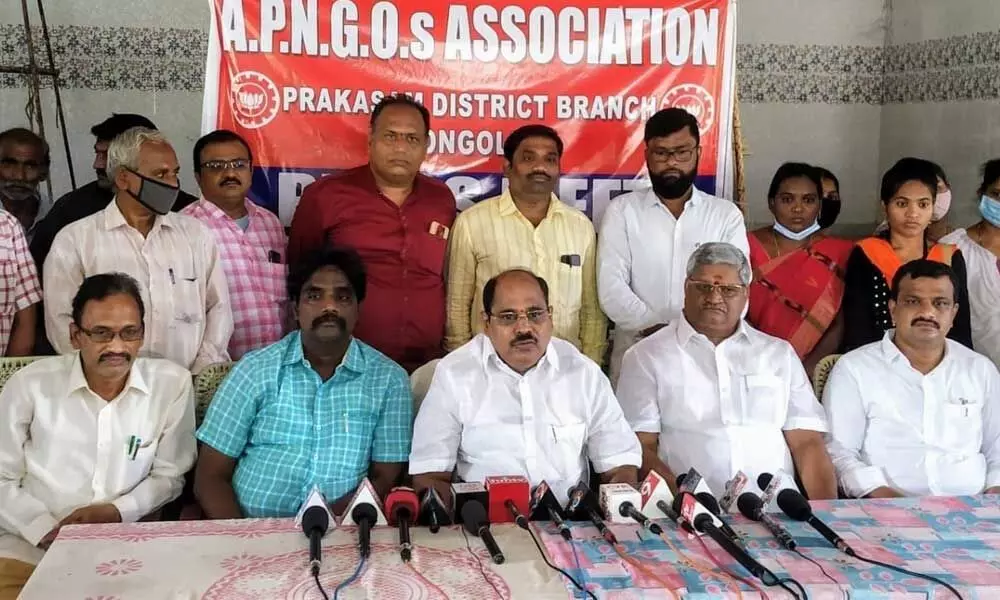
(798, 271)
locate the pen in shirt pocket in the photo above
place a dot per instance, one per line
(134, 443)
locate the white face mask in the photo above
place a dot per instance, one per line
(796, 236)
(941, 205)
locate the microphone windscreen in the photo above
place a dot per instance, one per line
(708, 501)
(364, 512)
(794, 504)
(764, 480)
(315, 518)
(749, 505)
(681, 478)
(473, 516)
(401, 501)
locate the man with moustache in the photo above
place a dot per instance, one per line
(319, 408)
(916, 414)
(95, 436)
(399, 222)
(516, 401)
(711, 392)
(528, 226)
(648, 235)
(24, 165)
(251, 240)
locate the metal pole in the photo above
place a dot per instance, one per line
(60, 117)
(34, 82)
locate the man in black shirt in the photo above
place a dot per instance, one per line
(94, 196)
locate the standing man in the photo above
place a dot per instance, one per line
(528, 226)
(711, 392)
(94, 196)
(399, 221)
(24, 165)
(173, 257)
(318, 408)
(251, 240)
(648, 235)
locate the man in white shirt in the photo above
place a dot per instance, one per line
(96, 436)
(516, 401)
(173, 257)
(647, 236)
(915, 414)
(711, 392)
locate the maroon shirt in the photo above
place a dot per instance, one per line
(403, 248)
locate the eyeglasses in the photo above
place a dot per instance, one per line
(727, 291)
(237, 164)
(103, 335)
(510, 317)
(681, 155)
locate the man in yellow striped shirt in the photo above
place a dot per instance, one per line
(527, 226)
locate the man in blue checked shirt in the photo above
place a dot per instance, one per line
(317, 408)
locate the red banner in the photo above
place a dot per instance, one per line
(299, 78)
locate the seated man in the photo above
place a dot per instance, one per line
(711, 392)
(317, 408)
(915, 414)
(516, 401)
(96, 436)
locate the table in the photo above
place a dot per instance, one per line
(956, 539)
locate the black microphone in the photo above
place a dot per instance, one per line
(519, 518)
(795, 505)
(752, 508)
(315, 522)
(708, 501)
(583, 505)
(432, 510)
(627, 509)
(703, 523)
(544, 504)
(475, 522)
(365, 515)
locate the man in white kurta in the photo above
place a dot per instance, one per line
(915, 414)
(516, 401)
(94, 436)
(711, 392)
(647, 236)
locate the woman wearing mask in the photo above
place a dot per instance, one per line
(908, 192)
(980, 244)
(939, 226)
(798, 280)
(830, 209)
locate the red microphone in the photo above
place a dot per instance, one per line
(512, 489)
(401, 506)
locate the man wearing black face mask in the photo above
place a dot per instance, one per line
(648, 235)
(173, 257)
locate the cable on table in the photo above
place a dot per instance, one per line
(319, 586)
(910, 573)
(847, 593)
(704, 568)
(749, 582)
(587, 593)
(423, 578)
(482, 567)
(347, 582)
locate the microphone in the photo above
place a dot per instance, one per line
(769, 484)
(545, 507)
(402, 506)
(752, 508)
(687, 506)
(365, 515)
(627, 509)
(501, 490)
(314, 517)
(583, 505)
(795, 505)
(519, 518)
(654, 490)
(475, 522)
(708, 501)
(734, 487)
(692, 482)
(432, 511)
(467, 492)
(612, 497)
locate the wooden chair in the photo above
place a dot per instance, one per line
(205, 384)
(822, 373)
(10, 365)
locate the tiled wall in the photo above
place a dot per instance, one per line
(847, 84)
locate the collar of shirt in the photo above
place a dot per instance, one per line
(506, 206)
(685, 333)
(893, 355)
(354, 360)
(77, 381)
(217, 214)
(653, 200)
(113, 218)
(489, 356)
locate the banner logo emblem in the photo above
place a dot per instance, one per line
(694, 99)
(254, 99)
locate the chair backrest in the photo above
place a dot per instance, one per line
(205, 384)
(10, 364)
(822, 373)
(420, 382)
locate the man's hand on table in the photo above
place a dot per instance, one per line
(884, 492)
(95, 513)
(49, 538)
(992, 490)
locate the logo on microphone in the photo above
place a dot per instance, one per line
(253, 99)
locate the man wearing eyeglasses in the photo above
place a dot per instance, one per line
(711, 392)
(95, 436)
(251, 240)
(516, 401)
(646, 236)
